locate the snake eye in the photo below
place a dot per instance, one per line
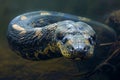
(92, 40)
(65, 40)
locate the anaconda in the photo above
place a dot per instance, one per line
(42, 35)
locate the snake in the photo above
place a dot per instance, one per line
(43, 35)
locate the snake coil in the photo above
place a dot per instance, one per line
(43, 35)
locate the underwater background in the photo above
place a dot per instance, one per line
(13, 67)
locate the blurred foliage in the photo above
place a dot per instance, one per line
(12, 67)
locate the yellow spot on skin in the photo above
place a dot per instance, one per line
(63, 50)
(19, 28)
(45, 13)
(87, 42)
(38, 33)
(53, 47)
(69, 42)
(84, 19)
(23, 17)
(22, 32)
(52, 27)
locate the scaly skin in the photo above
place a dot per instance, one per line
(43, 35)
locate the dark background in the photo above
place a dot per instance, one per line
(13, 67)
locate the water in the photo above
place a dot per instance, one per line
(13, 67)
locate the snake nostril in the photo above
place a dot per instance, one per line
(72, 48)
(82, 50)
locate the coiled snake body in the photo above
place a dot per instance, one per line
(43, 35)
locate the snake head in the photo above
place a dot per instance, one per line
(77, 41)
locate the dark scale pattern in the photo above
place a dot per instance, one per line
(46, 20)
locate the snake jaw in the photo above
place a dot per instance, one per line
(64, 50)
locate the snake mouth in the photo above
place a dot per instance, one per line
(73, 54)
(63, 50)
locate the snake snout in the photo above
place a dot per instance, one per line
(80, 50)
(77, 46)
(83, 50)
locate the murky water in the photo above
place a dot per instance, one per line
(13, 67)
